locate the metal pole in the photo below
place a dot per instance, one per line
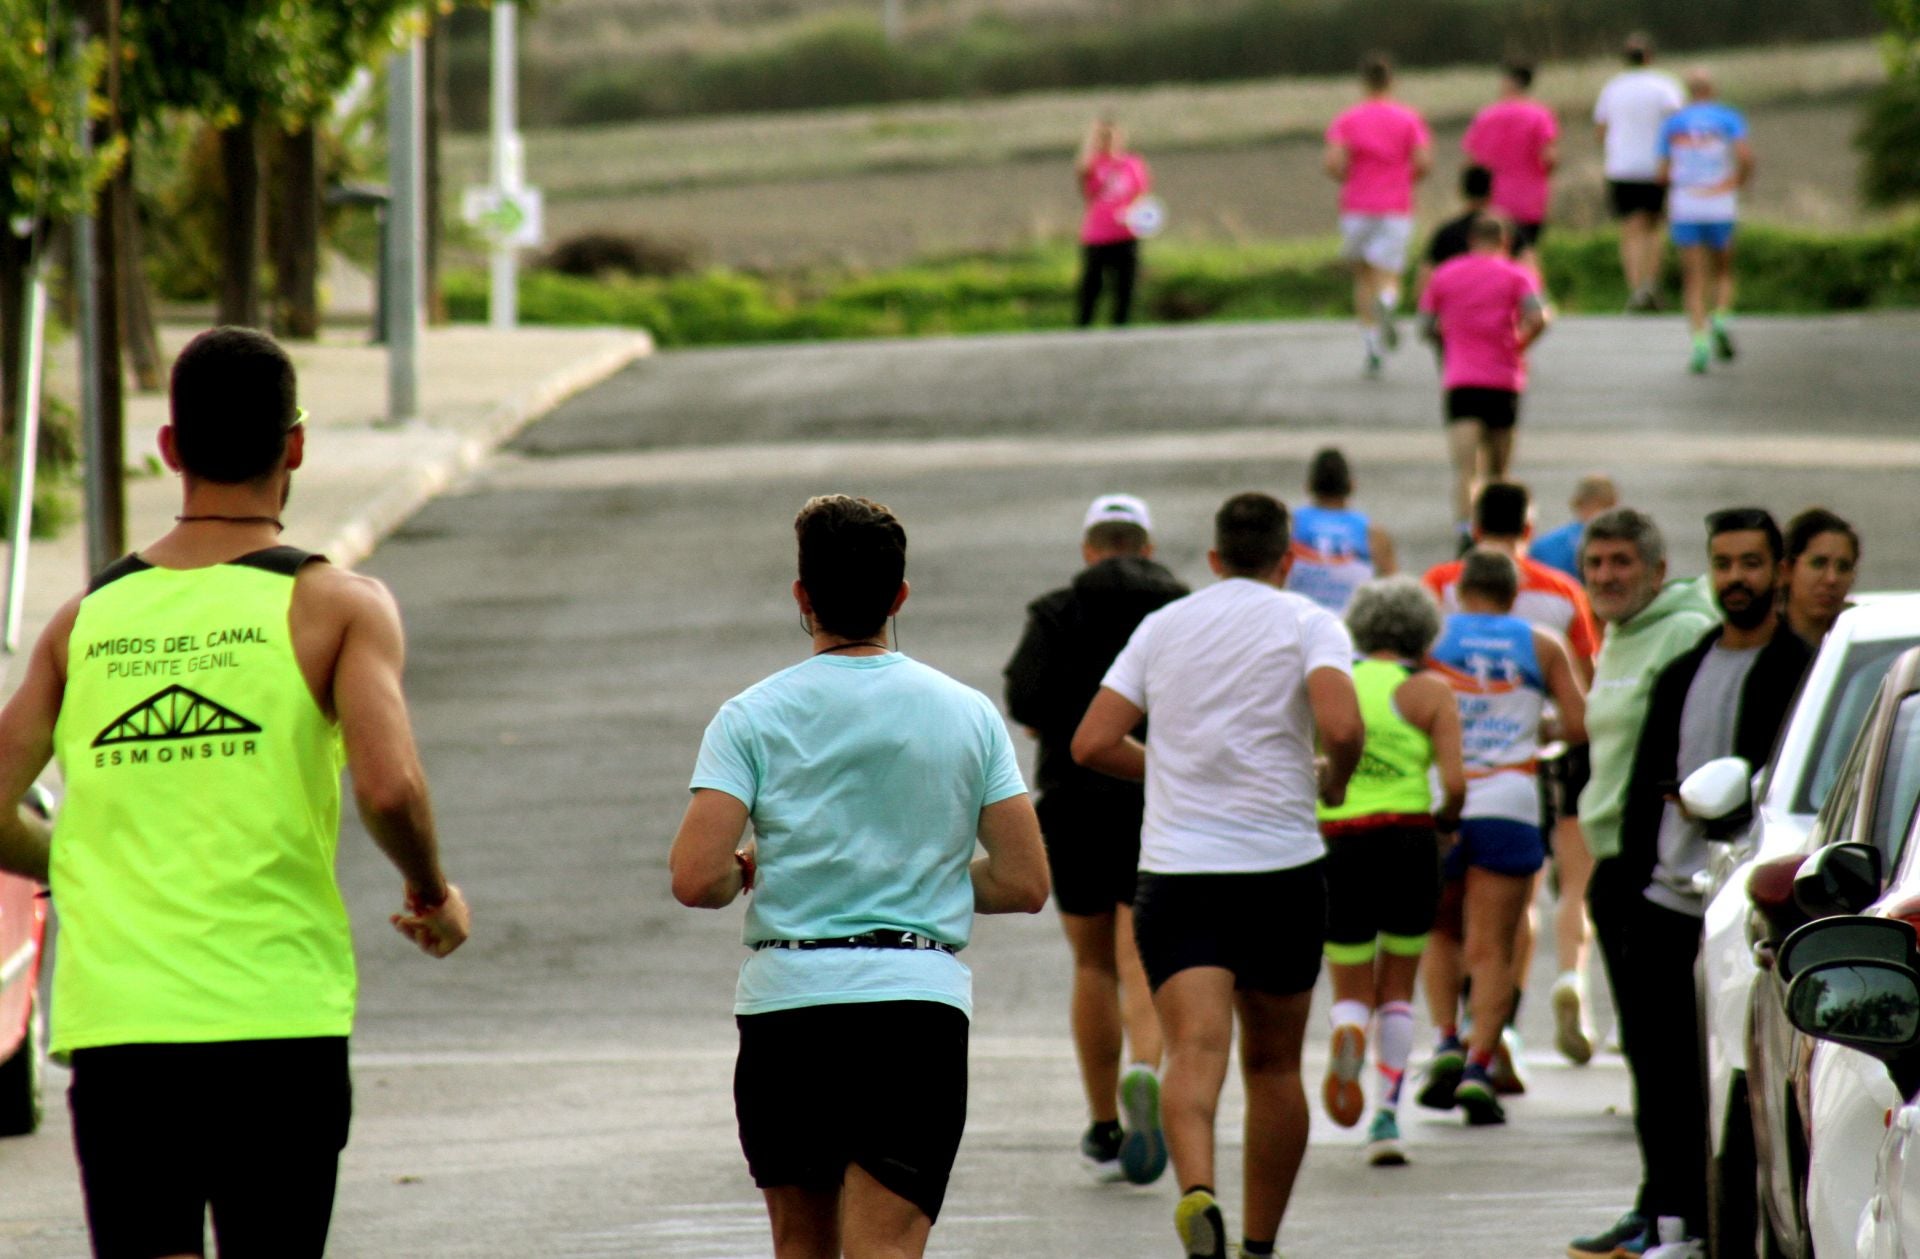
(101, 545)
(890, 20)
(402, 276)
(26, 443)
(508, 173)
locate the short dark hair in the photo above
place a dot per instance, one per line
(1476, 183)
(1490, 574)
(1501, 509)
(1251, 533)
(1490, 229)
(1328, 475)
(232, 403)
(1376, 71)
(1521, 72)
(853, 556)
(1810, 524)
(1738, 519)
(1638, 49)
(1117, 537)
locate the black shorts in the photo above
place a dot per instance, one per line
(252, 1129)
(1567, 775)
(1267, 928)
(1494, 408)
(1526, 236)
(1093, 848)
(879, 1083)
(1631, 196)
(1381, 880)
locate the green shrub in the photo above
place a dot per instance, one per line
(1890, 137)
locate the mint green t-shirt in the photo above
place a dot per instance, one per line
(864, 777)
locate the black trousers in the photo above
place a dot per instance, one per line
(1122, 260)
(1661, 1036)
(1613, 901)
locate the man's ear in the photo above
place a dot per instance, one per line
(900, 597)
(170, 449)
(1213, 562)
(296, 447)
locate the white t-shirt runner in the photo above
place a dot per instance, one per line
(1633, 106)
(1222, 675)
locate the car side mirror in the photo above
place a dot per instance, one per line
(1839, 879)
(1871, 1006)
(1719, 795)
(1848, 938)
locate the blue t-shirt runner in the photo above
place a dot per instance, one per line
(1332, 556)
(1701, 147)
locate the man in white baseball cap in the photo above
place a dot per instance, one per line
(1091, 824)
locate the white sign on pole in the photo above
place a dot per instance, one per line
(514, 218)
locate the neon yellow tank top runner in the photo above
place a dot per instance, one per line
(193, 856)
(1392, 775)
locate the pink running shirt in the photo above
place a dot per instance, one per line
(1477, 299)
(1510, 139)
(1110, 185)
(1380, 137)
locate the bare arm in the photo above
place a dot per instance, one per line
(1743, 163)
(26, 745)
(1334, 161)
(1427, 703)
(1563, 685)
(1104, 740)
(706, 875)
(1534, 319)
(1600, 134)
(1336, 719)
(389, 785)
(1012, 877)
(1422, 162)
(1550, 156)
(1380, 542)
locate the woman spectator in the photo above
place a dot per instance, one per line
(1822, 553)
(1111, 181)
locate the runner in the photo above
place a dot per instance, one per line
(1484, 310)
(1383, 876)
(1518, 139)
(1091, 825)
(1822, 553)
(1111, 180)
(1451, 238)
(1334, 547)
(1238, 679)
(1503, 521)
(1628, 117)
(1377, 151)
(1705, 160)
(203, 990)
(1560, 549)
(1502, 670)
(867, 777)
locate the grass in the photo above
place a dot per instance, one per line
(627, 159)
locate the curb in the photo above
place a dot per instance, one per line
(355, 540)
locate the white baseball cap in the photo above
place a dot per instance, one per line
(1120, 508)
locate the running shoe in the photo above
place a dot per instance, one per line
(1722, 342)
(1697, 362)
(1201, 1228)
(1389, 334)
(1346, 1062)
(1475, 1096)
(1100, 1152)
(1630, 1230)
(1673, 1241)
(1372, 367)
(1383, 1141)
(1143, 1154)
(1570, 1035)
(1642, 301)
(1505, 1072)
(1443, 1076)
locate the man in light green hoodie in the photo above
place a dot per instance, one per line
(1650, 621)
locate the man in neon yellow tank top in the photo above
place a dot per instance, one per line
(200, 698)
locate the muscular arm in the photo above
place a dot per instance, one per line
(1012, 877)
(26, 745)
(1336, 719)
(1563, 686)
(1105, 741)
(705, 873)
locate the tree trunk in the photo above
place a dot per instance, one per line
(14, 253)
(296, 234)
(143, 338)
(240, 241)
(434, 52)
(108, 454)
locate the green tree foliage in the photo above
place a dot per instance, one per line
(1890, 125)
(42, 74)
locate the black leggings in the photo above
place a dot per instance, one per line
(1122, 258)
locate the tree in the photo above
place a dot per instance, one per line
(1890, 127)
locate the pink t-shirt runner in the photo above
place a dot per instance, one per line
(1114, 182)
(1477, 300)
(1510, 138)
(1380, 137)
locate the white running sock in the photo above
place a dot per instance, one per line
(1345, 1012)
(1392, 1048)
(1390, 298)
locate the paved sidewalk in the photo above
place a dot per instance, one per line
(362, 476)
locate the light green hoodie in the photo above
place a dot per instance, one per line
(1630, 658)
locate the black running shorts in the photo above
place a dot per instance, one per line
(1495, 408)
(252, 1129)
(1093, 849)
(881, 1084)
(1381, 880)
(1267, 928)
(1634, 197)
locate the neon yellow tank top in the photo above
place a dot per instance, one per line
(193, 856)
(1392, 775)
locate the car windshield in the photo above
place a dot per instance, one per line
(1899, 781)
(1860, 673)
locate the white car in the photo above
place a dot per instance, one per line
(1750, 906)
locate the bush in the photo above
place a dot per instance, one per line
(1890, 137)
(597, 255)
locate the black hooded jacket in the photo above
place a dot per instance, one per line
(1072, 637)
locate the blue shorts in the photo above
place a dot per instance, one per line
(1716, 236)
(1498, 845)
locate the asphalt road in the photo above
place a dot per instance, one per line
(576, 612)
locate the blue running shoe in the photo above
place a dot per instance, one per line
(1475, 1096)
(1443, 1075)
(1143, 1153)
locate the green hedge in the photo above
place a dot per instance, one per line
(1781, 270)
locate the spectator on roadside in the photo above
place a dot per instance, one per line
(1823, 552)
(1628, 116)
(1518, 139)
(1560, 548)
(1111, 180)
(1335, 548)
(1091, 825)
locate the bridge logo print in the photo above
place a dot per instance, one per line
(174, 713)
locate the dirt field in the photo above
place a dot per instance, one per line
(1808, 170)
